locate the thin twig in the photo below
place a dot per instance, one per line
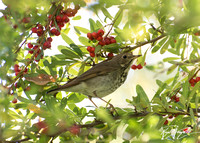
(23, 43)
(128, 48)
(112, 25)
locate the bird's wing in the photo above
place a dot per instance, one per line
(102, 68)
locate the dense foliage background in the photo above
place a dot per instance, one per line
(27, 28)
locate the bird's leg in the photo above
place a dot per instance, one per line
(90, 98)
(106, 102)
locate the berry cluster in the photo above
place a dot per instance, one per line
(55, 25)
(35, 48)
(134, 67)
(17, 69)
(193, 81)
(39, 30)
(102, 41)
(61, 19)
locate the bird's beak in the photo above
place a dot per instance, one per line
(136, 56)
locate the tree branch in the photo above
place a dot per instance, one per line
(128, 48)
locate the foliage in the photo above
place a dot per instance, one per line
(27, 113)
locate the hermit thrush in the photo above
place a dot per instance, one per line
(102, 79)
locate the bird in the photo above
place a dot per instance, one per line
(102, 79)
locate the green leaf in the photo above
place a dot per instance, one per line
(67, 39)
(171, 69)
(178, 45)
(76, 49)
(195, 45)
(143, 97)
(186, 89)
(159, 45)
(164, 47)
(97, 49)
(76, 97)
(192, 115)
(84, 41)
(76, 17)
(100, 26)
(114, 48)
(67, 52)
(170, 59)
(118, 17)
(84, 30)
(77, 31)
(106, 13)
(93, 26)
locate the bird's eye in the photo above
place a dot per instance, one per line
(124, 56)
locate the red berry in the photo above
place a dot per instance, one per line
(53, 31)
(94, 35)
(40, 26)
(34, 30)
(40, 31)
(92, 50)
(60, 24)
(35, 47)
(25, 70)
(69, 10)
(197, 79)
(134, 67)
(89, 35)
(49, 16)
(192, 82)
(14, 100)
(112, 41)
(110, 55)
(92, 54)
(31, 52)
(89, 48)
(107, 41)
(69, 14)
(16, 68)
(58, 18)
(100, 32)
(139, 66)
(166, 122)
(46, 44)
(15, 26)
(102, 43)
(65, 18)
(75, 129)
(16, 73)
(177, 99)
(170, 116)
(100, 38)
(30, 45)
(74, 11)
(49, 39)
(57, 33)
(77, 7)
